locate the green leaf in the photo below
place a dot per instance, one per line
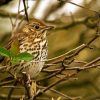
(5, 52)
(15, 61)
(22, 56)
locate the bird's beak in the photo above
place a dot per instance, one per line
(49, 27)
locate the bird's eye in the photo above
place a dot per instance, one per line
(36, 27)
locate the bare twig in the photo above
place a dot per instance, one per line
(72, 68)
(25, 10)
(60, 93)
(66, 1)
(92, 62)
(14, 24)
(5, 83)
(11, 86)
(4, 13)
(2, 67)
(59, 58)
(52, 75)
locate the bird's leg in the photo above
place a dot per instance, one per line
(28, 84)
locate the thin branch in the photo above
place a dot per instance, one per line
(2, 67)
(15, 87)
(5, 83)
(51, 75)
(14, 24)
(4, 13)
(25, 10)
(72, 68)
(59, 58)
(60, 93)
(83, 7)
(83, 68)
(92, 62)
(66, 1)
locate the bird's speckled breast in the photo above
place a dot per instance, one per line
(38, 48)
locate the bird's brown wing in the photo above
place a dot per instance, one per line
(11, 40)
(12, 45)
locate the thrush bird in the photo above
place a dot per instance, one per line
(31, 39)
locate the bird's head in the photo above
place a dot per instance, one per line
(36, 27)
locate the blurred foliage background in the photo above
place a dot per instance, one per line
(74, 26)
